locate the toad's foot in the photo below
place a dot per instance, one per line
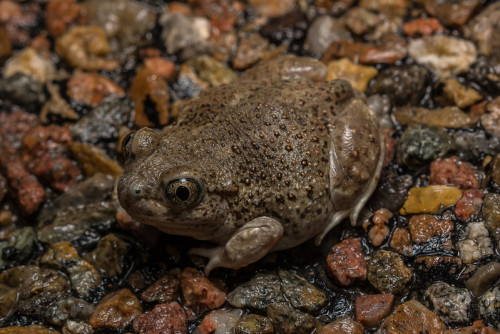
(252, 241)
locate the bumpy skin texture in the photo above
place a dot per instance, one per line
(278, 163)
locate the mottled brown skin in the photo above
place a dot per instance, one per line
(278, 162)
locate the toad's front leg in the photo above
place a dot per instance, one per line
(248, 245)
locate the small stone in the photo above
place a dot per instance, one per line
(35, 287)
(267, 288)
(65, 308)
(358, 75)
(161, 66)
(379, 231)
(401, 242)
(346, 262)
(56, 108)
(342, 326)
(323, 31)
(456, 93)
(272, 8)
(254, 324)
(60, 14)
(473, 145)
(31, 329)
(109, 255)
(448, 117)
(491, 214)
(372, 309)
(391, 191)
(210, 70)
(20, 245)
(220, 321)
(287, 67)
(287, 320)
(93, 160)
(451, 304)
(470, 204)
(19, 21)
(83, 276)
(365, 53)
(421, 144)
(491, 120)
(451, 171)
(74, 327)
(334, 7)
(422, 27)
(125, 21)
(163, 319)
(165, 289)
(477, 327)
(91, 88)
(483, 29)
(444, 55)
(84, 47)
(489, 306)
(403, 84)
(199, 293)
(8, 301)
(450, 12)
(360, 20)
(116, 310)
(412, 317)
(388, 7)
(484, 278)
(185, 36)
(22, 90)
(250, 51)
(150, 94)
(486, 73)
(388, 273)
(69, 216)
(289, 29)
(29, 62)
(430, 199)
(475, 243)
(424, 227)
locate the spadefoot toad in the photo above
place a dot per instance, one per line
(255, 167)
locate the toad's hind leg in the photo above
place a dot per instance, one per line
(248, 245)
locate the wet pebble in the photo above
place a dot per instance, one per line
(288, 29)
(323, 31)
(472, 145)
(22, 90)
(470, 204)
(388, 273)
(474, 243)
(365, 53)
(109, 255)
(483, 29)
(117, 310)
(486, 73)
(372, 309)
(267, 288)
(250, 50)
(31, 63)
(358, 75)
(421, 144)
(455, 93)
(489, 306)
(342, 326)
(491, 214)
(165, 290)
(404, 85)
(60, 14)
(451, 304)
(18, 247)
(412, 317)
(85, 47)
(254, 324)
(272, 8)
(451, 171)
(75, 327)
(483, 278)
(94, 160)
(91, 88)
(424, 227)
(430, 199)
(184, 35)
(391, 191)
(444, 55)
(451, 13)
(164, 318)
(31, 329)
(83, 276)
(287, 320)
(346, 262)
(219, 321)
(448, 117)
(491, 120)
(66, 308)
(198, 292)
(422, 27)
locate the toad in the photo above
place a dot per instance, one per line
(255, 166)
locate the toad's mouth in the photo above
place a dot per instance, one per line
(157, 214)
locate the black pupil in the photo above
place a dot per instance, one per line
(182, 193)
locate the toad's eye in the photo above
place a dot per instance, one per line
(183, 192)
(127, 145)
